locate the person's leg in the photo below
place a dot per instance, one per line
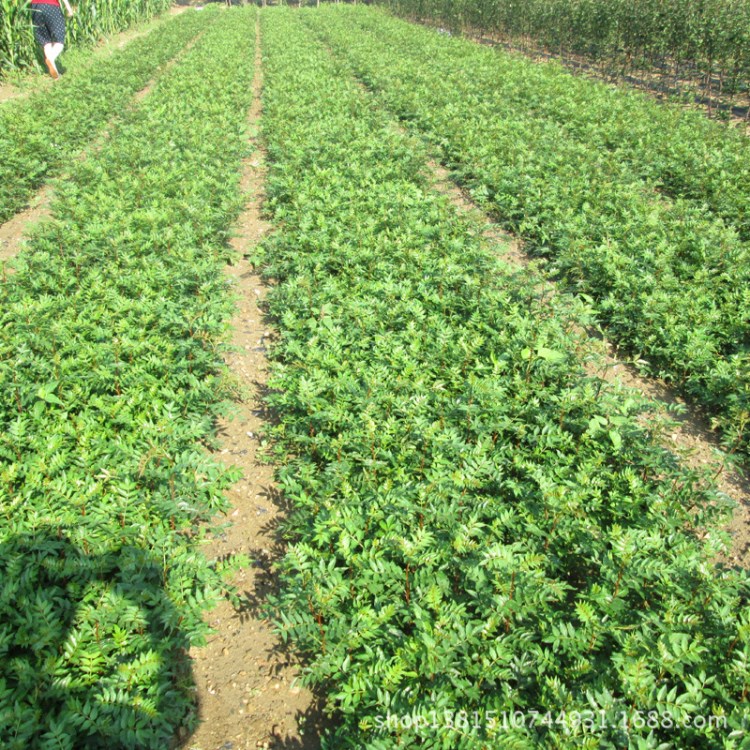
(43, 35)
(57, 30)
(54, 51)
(55, 22)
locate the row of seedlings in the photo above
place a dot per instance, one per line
(487, 548)
(670, 277)
(111, 348)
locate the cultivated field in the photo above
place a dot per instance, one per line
(398, 443)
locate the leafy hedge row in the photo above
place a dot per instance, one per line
(39, 135)
(478, 527)
(671, 273)
(110, 375)
(91, 21)
(708, 37)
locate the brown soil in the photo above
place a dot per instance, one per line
(13, 233)
(690, 437)
(246, 679)
(9, 91)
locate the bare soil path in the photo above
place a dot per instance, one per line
(246, 679)
(13, 232)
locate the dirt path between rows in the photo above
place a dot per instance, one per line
(13, 234)
(246, 679)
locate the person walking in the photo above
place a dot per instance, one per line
(49, 30)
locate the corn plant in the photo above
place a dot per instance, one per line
(15, 35)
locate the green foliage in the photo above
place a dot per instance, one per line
(39, 135)
(89, 24)
(711, 37)
(477, 525)
(643, 207)
(111, 347)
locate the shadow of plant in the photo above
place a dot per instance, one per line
(90, 651)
